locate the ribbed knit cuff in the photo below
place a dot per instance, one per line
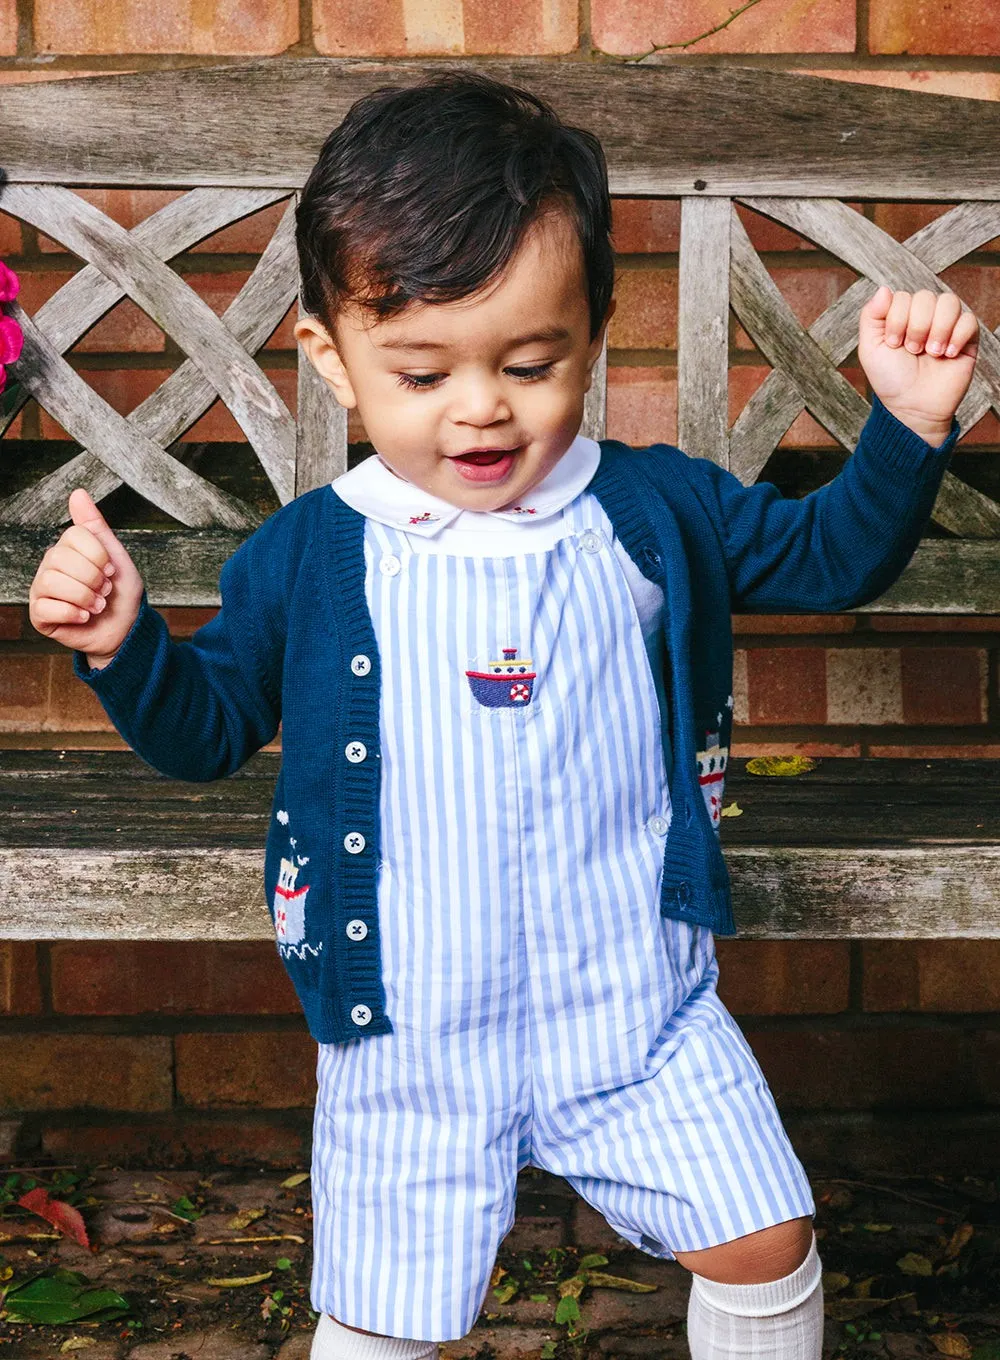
(899, 446)
(764, 1300)
(130, 665)
(334, 1342)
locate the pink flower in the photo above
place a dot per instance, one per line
(11, 340)
(10, 284)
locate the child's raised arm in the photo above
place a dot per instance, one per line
(844, 544)
(194, 710)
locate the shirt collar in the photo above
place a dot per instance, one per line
(376, 492)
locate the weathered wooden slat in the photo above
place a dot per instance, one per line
(595, 404)
(871, 252)
(126, 449)
(178, 225)
(775, 404)
(179, 567)
(176, 309)
(867, 849)
(703, 329)
(779, 336)
(945, 578)
(322, 431)
(771, 132)
(178, 401)
(938, 893)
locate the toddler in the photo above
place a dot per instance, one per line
(501, 656)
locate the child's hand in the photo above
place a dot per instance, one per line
(918, 351)
(73, 598)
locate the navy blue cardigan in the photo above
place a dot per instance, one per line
(293, 643)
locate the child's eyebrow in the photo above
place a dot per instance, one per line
(548, 334)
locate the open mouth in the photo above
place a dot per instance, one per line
(485, 465)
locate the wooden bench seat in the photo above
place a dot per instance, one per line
(96, 844)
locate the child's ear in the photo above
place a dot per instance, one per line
(596, 345)
(325, 358)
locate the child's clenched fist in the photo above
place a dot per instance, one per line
(87, 590)
(918, 351)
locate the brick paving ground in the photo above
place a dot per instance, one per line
(913, 1270)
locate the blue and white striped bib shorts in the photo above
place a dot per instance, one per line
(544, 1012)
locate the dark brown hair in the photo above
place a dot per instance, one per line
(425, 193)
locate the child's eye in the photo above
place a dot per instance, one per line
(419, 381)
(526, 373)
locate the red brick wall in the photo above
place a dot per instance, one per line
(185, 1049)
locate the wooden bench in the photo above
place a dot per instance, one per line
(97, 845)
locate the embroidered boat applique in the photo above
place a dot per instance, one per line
(290, 902)
(508, 683)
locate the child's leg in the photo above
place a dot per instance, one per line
(335, 1341)
(760, 1296)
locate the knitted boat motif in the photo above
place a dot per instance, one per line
(504, 684)
(712, 775)
(290, 896)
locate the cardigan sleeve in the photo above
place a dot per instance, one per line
(198, 709)
(842, 545)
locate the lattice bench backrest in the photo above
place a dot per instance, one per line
(241, 138)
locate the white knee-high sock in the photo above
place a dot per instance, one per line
(331, 1341)
(780, 1320)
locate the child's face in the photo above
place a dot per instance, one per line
(476, 400)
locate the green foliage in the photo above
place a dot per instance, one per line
(60, 1296)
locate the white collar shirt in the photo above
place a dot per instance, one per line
(432, 524)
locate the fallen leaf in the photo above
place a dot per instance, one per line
(958, 1241)
(733, 810)
(952, 1343)
(238, 1281)
(601, 1281)
(915, 1264)
(263, 1237)
(61, 1296)
(77, 1343)
(567, 1309)
(590, 1262)
(498, 1274)
(878, 1227)
(572, 1288)
(57, 1212)
(863, 1288)
(293, 1181)
(846, 1310)
(834, 1282)
(245, 1217)
(783, 766)
(506, 1291)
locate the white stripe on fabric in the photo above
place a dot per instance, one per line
(543, 1011)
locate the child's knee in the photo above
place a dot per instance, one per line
(758, 1258)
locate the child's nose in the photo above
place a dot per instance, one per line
(480, 402)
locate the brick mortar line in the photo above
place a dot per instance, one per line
(941, 1022)
(151, 1025)
(24, 11)
(855, 978)
(862, 17)
(154, 1026)
(866, 641)
(810, 63)
(789, 62)
(975, 734)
